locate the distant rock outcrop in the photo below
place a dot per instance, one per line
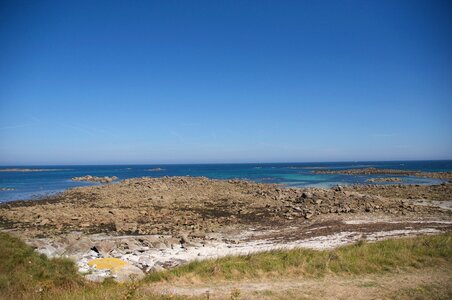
(378, 171)
(155, 170)
(90, 178)
(29, 170)
(385, 179)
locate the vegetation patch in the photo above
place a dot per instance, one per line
(23, 271)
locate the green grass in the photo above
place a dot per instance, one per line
(23, 271)
(360, 258)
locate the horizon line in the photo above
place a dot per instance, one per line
(225, 163)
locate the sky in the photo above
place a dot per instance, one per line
(125, 82)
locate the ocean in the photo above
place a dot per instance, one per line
(34, 185)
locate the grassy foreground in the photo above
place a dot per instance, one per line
(24, 274)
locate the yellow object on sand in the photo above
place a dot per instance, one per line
(113, 264)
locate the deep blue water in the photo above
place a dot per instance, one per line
(29, 185)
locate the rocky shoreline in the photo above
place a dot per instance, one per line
(171, 205)
(159, 223)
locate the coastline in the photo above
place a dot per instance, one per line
(33, 185)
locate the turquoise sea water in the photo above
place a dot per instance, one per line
(29, 185)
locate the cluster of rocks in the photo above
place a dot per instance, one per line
(128, 256)
(438, 192)
(316, 202)
(90, 178)
(87, 251)
(385, 179)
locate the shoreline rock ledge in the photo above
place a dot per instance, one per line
(90, 178)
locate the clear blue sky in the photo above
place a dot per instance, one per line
(85, 82)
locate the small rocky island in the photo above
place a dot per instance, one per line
(155, 170)
(90, 178)
(378, 171)
(385, 179)
(28, 170)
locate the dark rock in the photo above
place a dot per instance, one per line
(306, 195)
(338, 188)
